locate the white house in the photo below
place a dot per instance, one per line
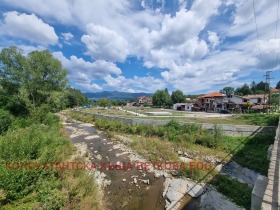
(257, 99)
(235, 99)
(183, 106)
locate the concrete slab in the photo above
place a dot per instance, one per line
(258, 192)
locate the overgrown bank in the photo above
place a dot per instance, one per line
(29, 141)
(32, 88)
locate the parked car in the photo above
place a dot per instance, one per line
(225, 112)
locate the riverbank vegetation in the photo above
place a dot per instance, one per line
(32, 88)
(161, 143)
(248, 151)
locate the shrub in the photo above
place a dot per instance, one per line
(38, 143)
(5, 121)
(51, 119)
(21, 123)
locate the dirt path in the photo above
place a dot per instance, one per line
(122, 189)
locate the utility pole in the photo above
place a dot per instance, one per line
(279, 102)
(267, 88)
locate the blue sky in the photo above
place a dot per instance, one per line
(196, 46)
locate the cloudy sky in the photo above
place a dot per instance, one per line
(196, 46)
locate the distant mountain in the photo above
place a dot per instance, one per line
(115, 95)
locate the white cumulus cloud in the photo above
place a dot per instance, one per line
(106, 44)
(67, 36)
(28, 27)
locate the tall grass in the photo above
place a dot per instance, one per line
(172, 131)
(81, 117)
(239, 193)
(26, 141)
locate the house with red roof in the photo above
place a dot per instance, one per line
(216, 102)
(211, 101)
(144, 100)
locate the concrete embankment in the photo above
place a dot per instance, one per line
(266, 195)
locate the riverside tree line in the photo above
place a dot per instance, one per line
(32, 88)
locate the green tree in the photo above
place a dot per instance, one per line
(261, 87)
(161, 98)
(178, 96)
(227, 90)
(244, 90)
(30, 80)
(253, 87)
(5, 121)
(104, 102)
(278, 85)
(75, 98)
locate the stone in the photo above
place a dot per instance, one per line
(146, 181)
(180, 152)
(99, 157)
(157, 174)
(135, 181)
(185, 159)
(124, 180)
(195, 190)
(219, 167)
(166, 175)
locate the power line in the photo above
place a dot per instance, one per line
(276, 55)
(257, 33)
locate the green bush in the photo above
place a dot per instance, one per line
(39, 113)
(172, 131)
(51, 119)
(21, 123)
(81, 117)
(38, 143)
(5, 121)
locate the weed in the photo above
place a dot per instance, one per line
(239, 193)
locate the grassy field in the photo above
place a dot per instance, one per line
(195, 117)
(250, 152)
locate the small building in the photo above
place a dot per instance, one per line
(144, 100)
(257, 98)
(183, 106)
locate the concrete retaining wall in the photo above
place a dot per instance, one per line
(271, 198)
(229, 130)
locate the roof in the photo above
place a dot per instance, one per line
(254, 96)
(238, 96)
(274, 90)
(144, 98)
(212, 95)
